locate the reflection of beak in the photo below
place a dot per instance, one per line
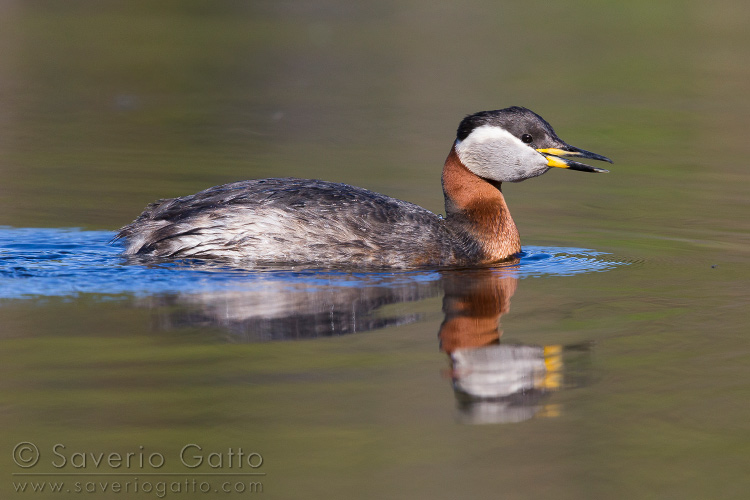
(554, 159)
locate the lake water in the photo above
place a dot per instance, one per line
(610, 361)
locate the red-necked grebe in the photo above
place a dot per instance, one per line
(312, 222)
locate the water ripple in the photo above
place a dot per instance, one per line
(53, 262)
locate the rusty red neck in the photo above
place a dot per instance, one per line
(476, 207)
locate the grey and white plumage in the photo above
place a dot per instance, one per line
(289, 220)
(313, 222)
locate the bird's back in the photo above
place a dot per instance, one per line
(294, 221)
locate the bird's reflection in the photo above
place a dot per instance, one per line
(493, 382)
(293, 310)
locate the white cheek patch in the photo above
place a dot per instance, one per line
(494, 153)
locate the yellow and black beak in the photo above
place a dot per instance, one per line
(555, 158)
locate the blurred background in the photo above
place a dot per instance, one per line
(106, 106)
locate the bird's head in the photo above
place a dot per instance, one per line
(515, 144)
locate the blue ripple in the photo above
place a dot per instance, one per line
(52, 262)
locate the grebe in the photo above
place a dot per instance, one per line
(313, 222)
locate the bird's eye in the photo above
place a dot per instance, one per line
(527, 138)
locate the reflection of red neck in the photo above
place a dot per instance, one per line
(468, 333)
(473, 304)
(477, 206)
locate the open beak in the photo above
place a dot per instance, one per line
(554, 158)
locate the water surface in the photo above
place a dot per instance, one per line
(610, 362)
(43, 262)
